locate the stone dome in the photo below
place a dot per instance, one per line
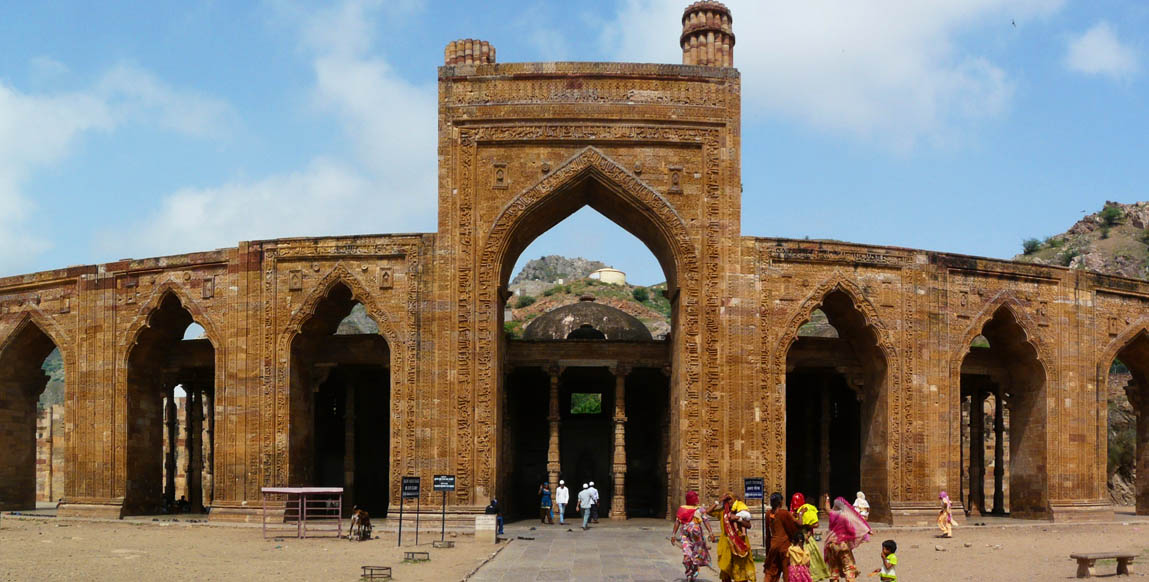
(586, 320)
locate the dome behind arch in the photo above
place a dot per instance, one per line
(583, 319)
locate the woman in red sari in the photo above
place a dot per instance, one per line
(690, 520)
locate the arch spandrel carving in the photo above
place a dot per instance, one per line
(1118, 343)
(33, 315)
(338, 274)
(835, 282)
(148, 308)
(1009, 301)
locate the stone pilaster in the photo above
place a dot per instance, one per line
(618, 468)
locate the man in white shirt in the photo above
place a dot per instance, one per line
(584, 502)
(594, 504)
(562, 498)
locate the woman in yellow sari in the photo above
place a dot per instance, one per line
(735, 560)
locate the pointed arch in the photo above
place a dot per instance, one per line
(835, 282)
(643, 212)
(33, 315)
(151, 305)
(1114, 347)
(339, 274)
(1005, 299)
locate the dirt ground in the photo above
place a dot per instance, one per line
(86, 550)
(1008, 552)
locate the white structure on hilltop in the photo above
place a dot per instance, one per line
(609, 275)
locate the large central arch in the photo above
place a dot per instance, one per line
(589, 178)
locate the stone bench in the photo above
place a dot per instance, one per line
(416, 556)
(485, 528)
(1085, 562)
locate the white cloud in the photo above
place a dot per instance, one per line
(39, 130)
(1098, 52)
(137, 94)
(36, 131)
(892, 71)
(388, 184)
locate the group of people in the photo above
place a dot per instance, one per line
(586, 503)
(792, 552)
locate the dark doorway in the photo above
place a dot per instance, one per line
(823, 433)
(647, 432)
(586, 437)
(527, 431)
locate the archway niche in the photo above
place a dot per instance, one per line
(171, 414)
(1003, 422)
(341, 403)
(623, 443)
(23, 381)
(1129, 437)
(835, 406)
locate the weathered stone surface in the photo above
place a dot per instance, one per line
(656, 148)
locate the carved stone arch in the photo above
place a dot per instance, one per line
(590, 162)
(835, 282)
(339, 274)
(1016, 308)
(588, 178)
(33, 315)
(1115, 346)
(149, 307)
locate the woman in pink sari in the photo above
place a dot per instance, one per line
(847, 531)
(690, 519)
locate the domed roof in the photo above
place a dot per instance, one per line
(586, 320)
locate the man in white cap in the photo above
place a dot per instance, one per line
(562, 498)
(594, 505)
(584, 503)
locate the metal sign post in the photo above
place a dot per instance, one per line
(755, 488)
(409, 489)
(444, 483)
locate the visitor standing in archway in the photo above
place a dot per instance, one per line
(545, 514)
(562, 498)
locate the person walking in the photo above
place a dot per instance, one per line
(545, 514)
(690, 519)
(946, 521)
(562, 498)
(780, 529)
(584, 503)
(594, 507)
(847, 531)
(735, 560)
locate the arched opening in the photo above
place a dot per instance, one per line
(585, 402)
(341, 403)
(835, 406)
(27, 475)
(1003, 422)
(1128, 442)
(171, 414)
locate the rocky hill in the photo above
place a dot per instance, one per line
(551, 268)
(1114, 241)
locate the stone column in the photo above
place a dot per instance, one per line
(349, 446)
(193, 435)
(999, 451)
(1139, 397)
(824, 440)
(618, 496)
(209, 447)
(553, 462)
(977, 448)
(170, 429)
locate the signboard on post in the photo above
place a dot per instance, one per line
(755, 488)
(408, 490)
(444, 483)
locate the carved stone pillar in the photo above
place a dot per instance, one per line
(999, 451)
(554, 464)
(192, 437)
(170, 430)
(618, 496)
(209, 447)
(977, 449)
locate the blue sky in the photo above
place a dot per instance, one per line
(142, 129)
